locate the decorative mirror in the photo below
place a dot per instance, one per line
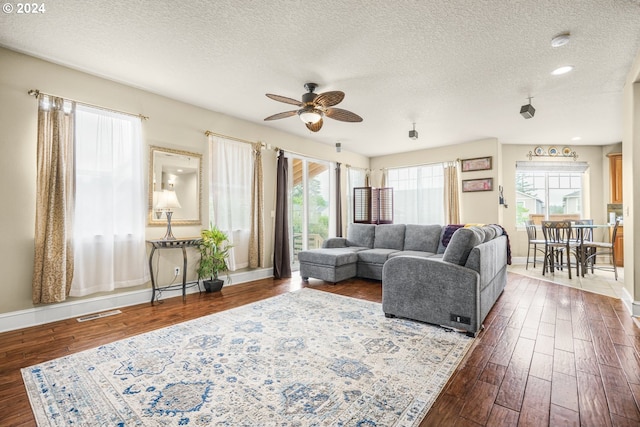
(175, 184)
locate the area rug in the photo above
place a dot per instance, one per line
(305, 358)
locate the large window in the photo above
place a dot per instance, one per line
(418, 194)
(549, 191)
(110, 209)
(230, 173)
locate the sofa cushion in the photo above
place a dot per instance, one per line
(375, 256)
(460, 245)
(389, 236)
(422, 254)
(361, 235)
(489, 233)
(422, 238)
(480, 232)
(333, 257)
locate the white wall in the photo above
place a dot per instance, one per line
(171, 124)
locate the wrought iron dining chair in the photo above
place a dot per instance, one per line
(534, 242)
(598, 249)
(559, 242)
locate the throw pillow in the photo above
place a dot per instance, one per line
(460, 245)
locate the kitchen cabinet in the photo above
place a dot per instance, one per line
(618, 246)
(615, 177)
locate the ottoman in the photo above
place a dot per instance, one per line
(328, 264)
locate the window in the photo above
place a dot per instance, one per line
(418, 194)
(311, 190)
(231, 172)
(110, 209)
(356, 178)
(549, 190)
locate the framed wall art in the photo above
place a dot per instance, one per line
(477, 164)
(482, 184)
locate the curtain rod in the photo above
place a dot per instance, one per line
(246, 141)
(444, 162)
(36, 92)
(276, 149)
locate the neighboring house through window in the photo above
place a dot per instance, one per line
(549, 191)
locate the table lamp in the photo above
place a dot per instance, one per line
(168, 200)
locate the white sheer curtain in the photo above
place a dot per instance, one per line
(356, 177)
(418, 194)
(109, 228)
(230, 183)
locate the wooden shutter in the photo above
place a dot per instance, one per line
(373, 205)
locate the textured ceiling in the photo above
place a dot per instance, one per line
(459, 69)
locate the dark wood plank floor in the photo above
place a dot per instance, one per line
(549, 354)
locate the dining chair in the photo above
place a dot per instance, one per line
(584, 234)
(596, 249)
(533, 243)
(559, 241)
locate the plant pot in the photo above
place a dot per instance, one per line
(213, 285)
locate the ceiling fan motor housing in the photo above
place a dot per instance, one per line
(309, 97)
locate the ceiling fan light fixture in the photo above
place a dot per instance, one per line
(310, 115)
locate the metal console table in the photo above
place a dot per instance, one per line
(171, 244)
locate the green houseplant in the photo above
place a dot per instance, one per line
(214, 253)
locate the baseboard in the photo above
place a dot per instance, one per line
(632, 306)
(70, 309)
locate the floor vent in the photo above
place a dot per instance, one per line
(98, 315)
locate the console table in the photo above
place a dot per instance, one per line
(171, 244)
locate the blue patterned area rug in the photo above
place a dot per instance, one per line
(306, 358)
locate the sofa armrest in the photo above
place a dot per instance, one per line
(432, 291)
(335, 242)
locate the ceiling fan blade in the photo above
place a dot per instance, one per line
(284, 99)
(329, 99)
(282, 115)
(314, 127)
(342, 115)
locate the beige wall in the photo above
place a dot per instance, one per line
(596, 188)
(477, 207)
(483, 207)
(178, 125)
(172, 124)
(630, 169)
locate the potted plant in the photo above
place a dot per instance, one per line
(214, 252)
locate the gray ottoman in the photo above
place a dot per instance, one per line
(331, 265)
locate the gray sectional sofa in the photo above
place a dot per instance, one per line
(449, 280)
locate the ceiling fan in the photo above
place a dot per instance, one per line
(314, 106)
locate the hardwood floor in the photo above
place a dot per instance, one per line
(549, 354)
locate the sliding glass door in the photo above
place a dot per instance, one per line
(310, 204)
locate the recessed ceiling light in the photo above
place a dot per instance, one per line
(560, 40)
(562, 70)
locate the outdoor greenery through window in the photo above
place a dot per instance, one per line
(550, 193)
(418, 194)
(310, 203)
